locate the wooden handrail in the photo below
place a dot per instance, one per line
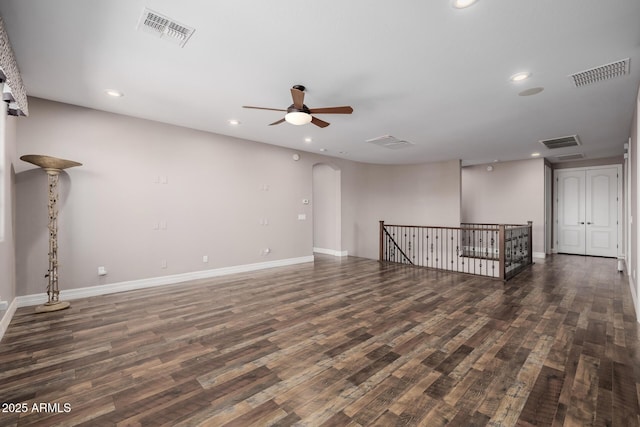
(438, 227)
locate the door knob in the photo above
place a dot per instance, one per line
(581, 223)
(589, 223)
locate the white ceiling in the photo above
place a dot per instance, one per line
(421, 71)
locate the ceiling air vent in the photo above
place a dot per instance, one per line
(164, 27)
(566, 157)
(562, 142)
(603, 72)
(390, 142)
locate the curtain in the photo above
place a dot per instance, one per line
(13, 91)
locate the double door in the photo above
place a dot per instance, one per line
(588, 208)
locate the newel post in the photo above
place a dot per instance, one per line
(381, 245)
(501, 251)
(530, 224)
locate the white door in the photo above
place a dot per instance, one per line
(587, 208)
(570, 188)
(602, 212)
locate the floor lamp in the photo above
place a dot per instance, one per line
(52, 166)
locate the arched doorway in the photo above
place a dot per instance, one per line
(326, 208)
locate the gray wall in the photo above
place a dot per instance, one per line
(426, 194)
(512, 193)
(633, 257)
(211, 191)
(7, 242)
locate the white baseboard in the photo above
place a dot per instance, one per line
(330, 252)
(8, 315)
(540, 255)
(91, 291)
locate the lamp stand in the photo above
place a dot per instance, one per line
(52, 166)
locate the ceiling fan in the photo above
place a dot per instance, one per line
(300, 114)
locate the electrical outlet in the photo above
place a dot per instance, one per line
(205, 258)
(163, 263)
(102, 271)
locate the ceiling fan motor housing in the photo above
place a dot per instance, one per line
(293, 109)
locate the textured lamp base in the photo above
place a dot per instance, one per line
(52, 306)
(52, 166)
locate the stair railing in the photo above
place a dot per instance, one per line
(494, 250)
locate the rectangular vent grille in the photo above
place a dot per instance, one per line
(566, 157)
(391, 142)
(562, 142)
(164, 27)
(604, 72)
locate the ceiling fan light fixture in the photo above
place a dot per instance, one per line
(298, 118)
(461, 4)
(518, 77)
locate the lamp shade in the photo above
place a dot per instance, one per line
(298, 118)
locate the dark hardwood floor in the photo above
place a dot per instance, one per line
(346, 342)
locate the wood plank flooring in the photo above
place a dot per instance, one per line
(341, 342)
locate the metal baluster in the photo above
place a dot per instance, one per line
(421, 245)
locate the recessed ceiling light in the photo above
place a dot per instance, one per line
(307, 140)
(461, 4)
(114, 93)
(518, 77)
(234, 122)
(535, 154)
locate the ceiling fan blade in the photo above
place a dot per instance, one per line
(263, 108)
(298, 98)
(320, 123)
(332, 110)
(277, 123)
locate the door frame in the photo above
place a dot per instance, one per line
(332, 208)
(618, 166)
(548, 209)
